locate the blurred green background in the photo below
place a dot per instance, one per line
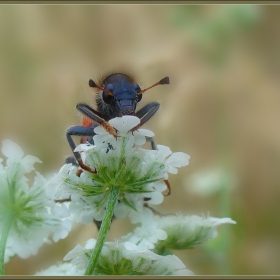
(222, 108)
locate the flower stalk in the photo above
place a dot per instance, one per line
(4, 236)
(105, 226)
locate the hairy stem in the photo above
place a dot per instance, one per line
(105, 226)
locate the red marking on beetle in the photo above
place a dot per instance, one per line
(87, 121)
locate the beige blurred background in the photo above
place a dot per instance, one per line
(222, 108)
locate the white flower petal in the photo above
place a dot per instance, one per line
(102, 140)
(139, 139)
(100, 130)
(125, 123)
(130, 246)
(178, 159)
(164, 151)
(220, 221)
(180, 268)
(172, 169)
(160, 186)
(28, 162)
(11, 150)
(145, 132)
(70, 255)
(139, 217)
(156, 198)
(83, 147)
(161, 234)
(121, 211)
(90, 244)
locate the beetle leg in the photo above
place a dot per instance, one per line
(96, 117)
(167, 183)
(80, 131)
(144, 115)
(86, 131)
(153, 143)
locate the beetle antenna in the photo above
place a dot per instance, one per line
(94, 85)
(163, 81)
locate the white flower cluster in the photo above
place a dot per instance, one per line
(173, 232)
(184, 232)
(126, 259)
(146, 250)
(33, 217)
(121, 164)
(140, 178)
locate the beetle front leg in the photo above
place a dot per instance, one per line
(144, 115)
(96, 117)
(79, 131)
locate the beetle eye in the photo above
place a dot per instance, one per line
(139, 97)
(108, 99)
(138, 89)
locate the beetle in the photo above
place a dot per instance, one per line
(118, 95)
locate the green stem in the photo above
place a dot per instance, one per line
(105, 226)
(224, 148)
(225, 205)
(4, 236)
